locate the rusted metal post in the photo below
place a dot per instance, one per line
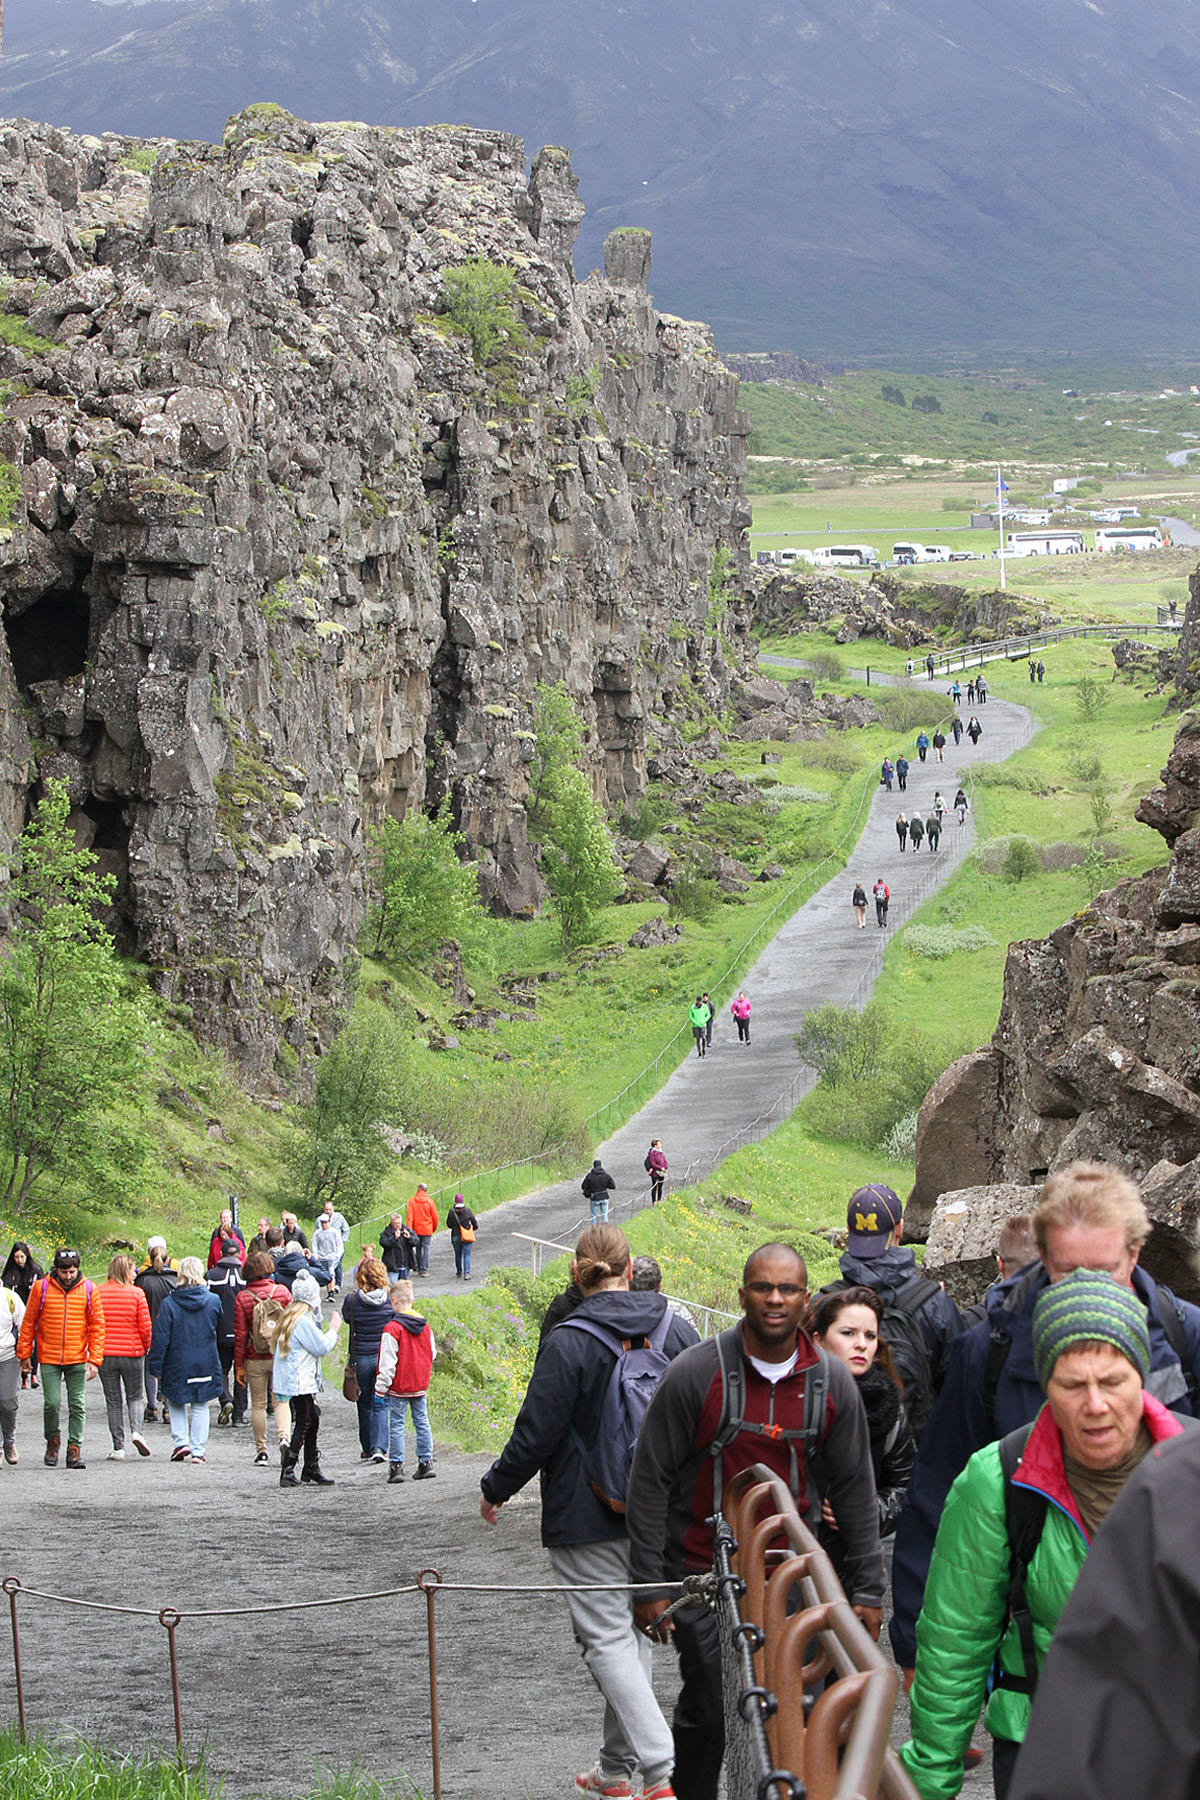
(429, 1581)
(12, 1588)
(168, 1618)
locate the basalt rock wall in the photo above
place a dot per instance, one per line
(285, 558)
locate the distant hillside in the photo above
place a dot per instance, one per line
(835, 177)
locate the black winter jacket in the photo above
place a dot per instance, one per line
(566, 1396)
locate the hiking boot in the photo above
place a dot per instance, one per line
(395, 1472)
(425, 1472)
(75, 1457)
(287, 1474)
(261, 1459)
(10, 1454)
(139, 1443)
(609, 1787)
(225, 1416)
(314, 1476)
(51, 1457)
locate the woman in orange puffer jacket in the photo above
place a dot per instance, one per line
(126, 1341)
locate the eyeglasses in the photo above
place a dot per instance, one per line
(789, 1290)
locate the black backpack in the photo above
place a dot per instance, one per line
(1024, 1521)
(906, 1342)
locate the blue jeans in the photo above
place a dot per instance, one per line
(421, 1256)
(372, 1414)
(200, 1422)
(599, 1207)
(396, 1404)
(462, 1255)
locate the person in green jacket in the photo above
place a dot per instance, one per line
(699, 1016)
(1092, 1353)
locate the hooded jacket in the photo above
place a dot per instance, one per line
(299, 1372)
(67, 1324)
(406, 1353)
(183, 1346)
(367, 1315)
(156, 1284)
(421, 1214)
(225, 1279)
(938, 1320)
(959, 1423)
(562, 1405)
(964, 1618)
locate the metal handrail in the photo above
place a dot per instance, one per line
(842, 1750)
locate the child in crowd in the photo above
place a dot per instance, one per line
(406, 1353)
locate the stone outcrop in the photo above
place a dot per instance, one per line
(1096, 1054)
(898, 612)
(791, 712)
(287, 560)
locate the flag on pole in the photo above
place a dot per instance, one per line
(1001, 485)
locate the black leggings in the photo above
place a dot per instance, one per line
(306, 1417)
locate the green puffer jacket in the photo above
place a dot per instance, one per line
(966, 1602)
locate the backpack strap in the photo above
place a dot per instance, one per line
(910, 1298)
(1024, 1520)
(733, 1415)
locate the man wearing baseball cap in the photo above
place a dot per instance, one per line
(921, 1320)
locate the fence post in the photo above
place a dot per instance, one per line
(428, 1581)
(168, 1618)
(12, 1588)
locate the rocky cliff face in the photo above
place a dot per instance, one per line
(895, 611)
(1097, 1052)
(284, 560)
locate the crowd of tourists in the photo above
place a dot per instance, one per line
(985, 1448)
(241, 1331)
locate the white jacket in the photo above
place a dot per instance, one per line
(12, 1311)
(299, 1372)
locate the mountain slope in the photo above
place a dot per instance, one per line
(854, 177)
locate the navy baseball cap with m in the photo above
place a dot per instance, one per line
(871, 1217)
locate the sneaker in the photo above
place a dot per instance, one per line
(180, 1453)
(225, 1416)
(51, 1457)
(425, 1472)
(378, 1456)
(395, 1471)
(193, 1458)
(10, 1453)
(662, 1790)
(595, 1781)
(115, 1456)
(139, 1443)
(150, 1416)
(75, 1457)
(261, 1459)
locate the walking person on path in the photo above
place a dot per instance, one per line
(929, 667)
(902, 829)
(955, 693)
(741, 1010)
(300, 1345)
(858, 901)
(126, 1341)
(12, 1312)
(916, 830)
(366, 1315)
(922, 745)
(462, 1225)
(406, 1353)
(933, 829)
(158, 1275)
(20, 1272)
(939, 743)
(422, 1219)
(887, 773)
(397, 1247)
(252, 1358)
(981, 690)
(971, 693)
(656, 1168)
(184, 1359)
(597, 1185)
(226, 1279)
(882, 896)
(962, 806)
(956, 726)
(974, 730)
(698, 1018)
(559, 1434)
(902, 772)
(707, 999)
(65, 1319)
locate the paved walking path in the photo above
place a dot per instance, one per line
(711, 1105)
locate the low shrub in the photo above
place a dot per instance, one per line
(786, 794)
(908, 709)
(899, 1144)
(944, 940)
(824, 665)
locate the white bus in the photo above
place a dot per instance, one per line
(1129, 538)
(909, 553)
(937, 553)
(1045, 543)
(848, 556)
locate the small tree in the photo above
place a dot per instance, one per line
(340, 1152)
(425, 893)
(841, 1043)
(480, 298)
(1091, 698)
(72, 1043)
(566, 820)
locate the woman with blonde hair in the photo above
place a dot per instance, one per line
(184, 1359)
(126, 1341)
(366, 1311)
(300, 1345)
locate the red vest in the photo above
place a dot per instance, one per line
(414, 1359)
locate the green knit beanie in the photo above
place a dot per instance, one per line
(1089, 1307)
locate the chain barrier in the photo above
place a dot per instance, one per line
(428, 1582)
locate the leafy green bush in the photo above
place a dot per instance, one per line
(339, 1152)
(789, 794)
(480, 297)
(841, 1043)
(647, 815)
(899, 1142)
(908, 709)
(823, 665)
(944, 940)
(693, 895)
(1020, 858)
(426, 894)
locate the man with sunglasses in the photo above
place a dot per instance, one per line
(65, 1319)
(761, 1393)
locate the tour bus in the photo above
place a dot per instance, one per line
(1045, 543)
(787, 557)
(909, 553)
(847, 556)
(1129, 538)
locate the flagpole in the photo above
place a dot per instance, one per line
(1000, 497)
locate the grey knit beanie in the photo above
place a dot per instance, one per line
(1089, 1307)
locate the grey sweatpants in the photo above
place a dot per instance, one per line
(10, 1387)
(636, 1736)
